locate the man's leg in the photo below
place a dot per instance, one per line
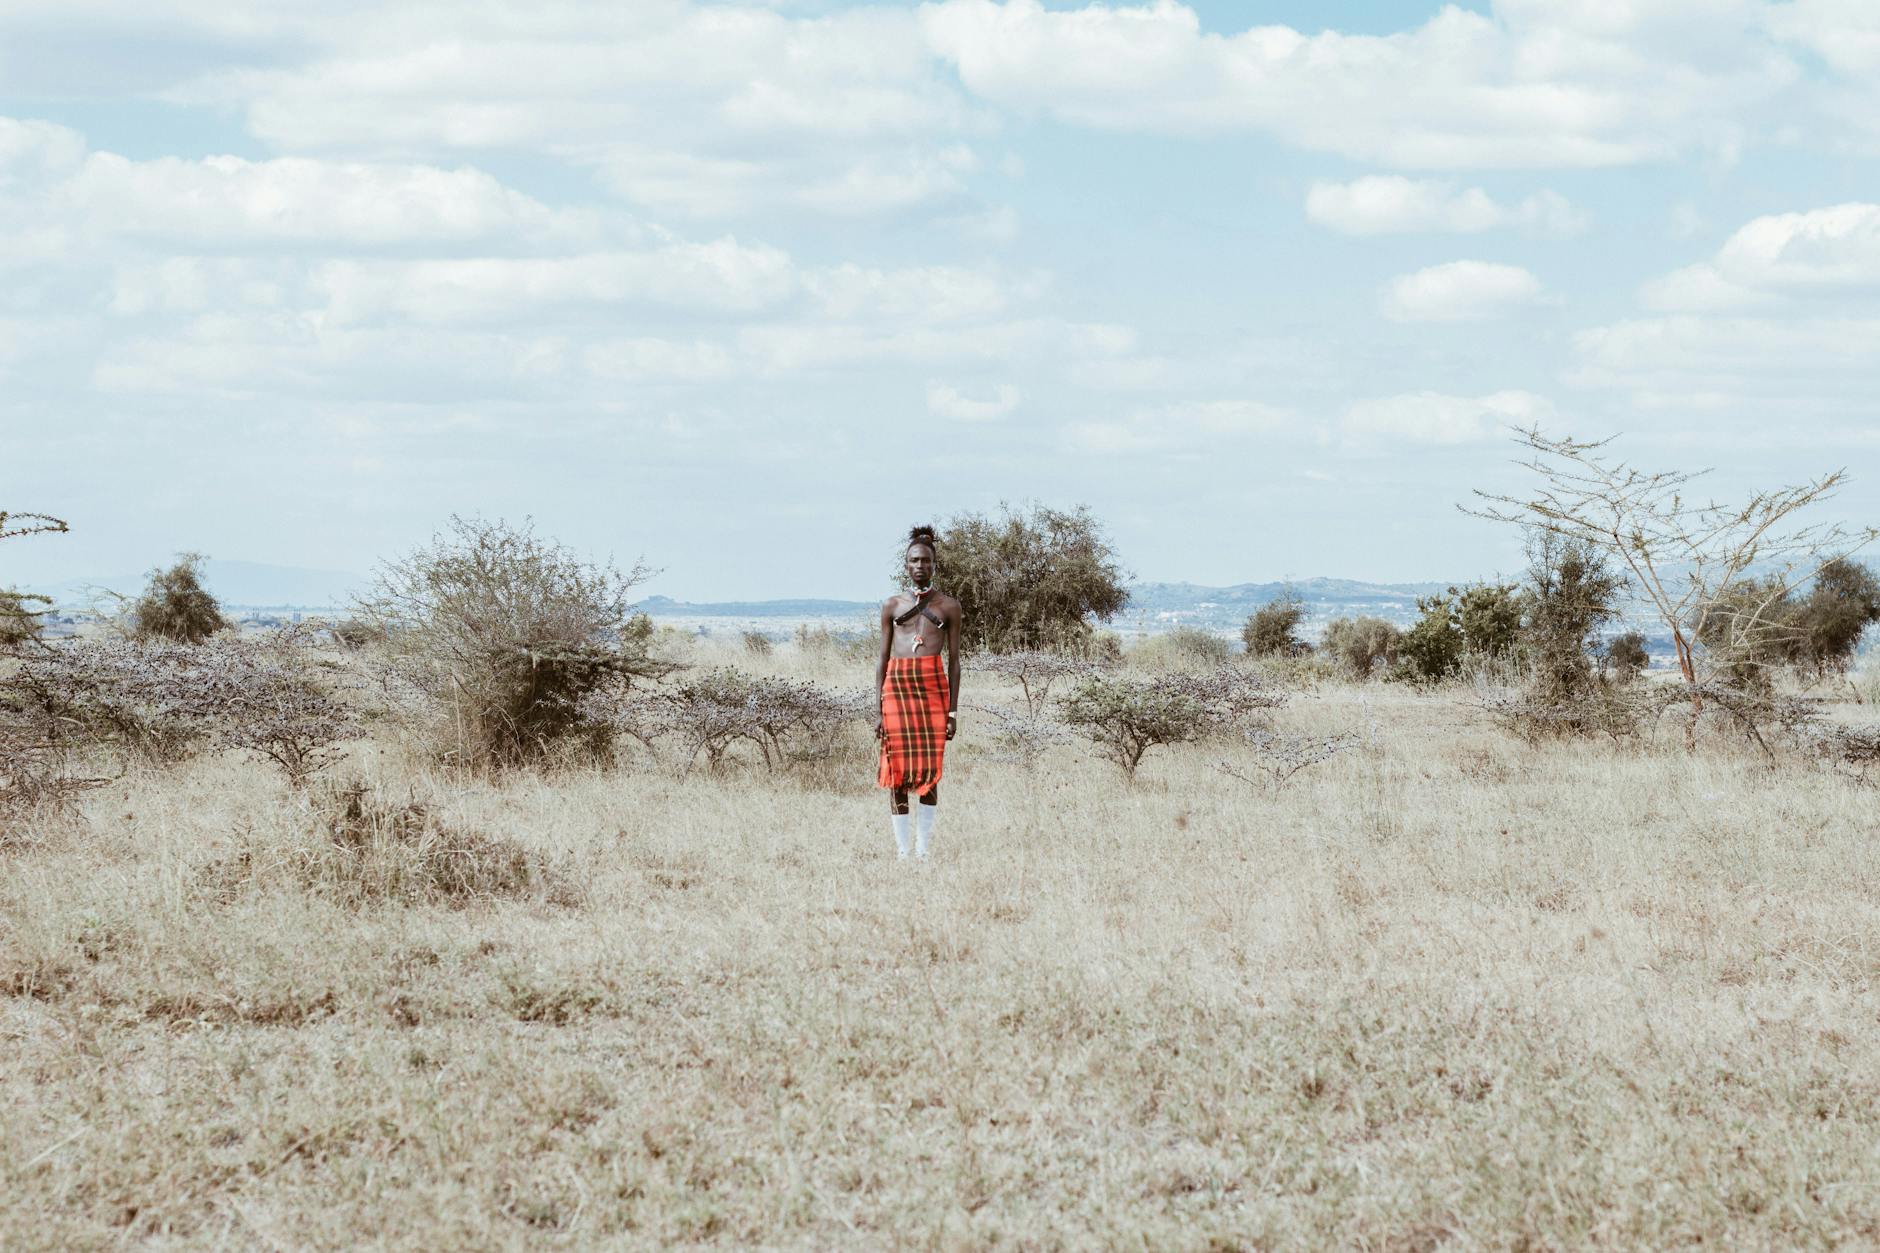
(929, 810)
(897, 807)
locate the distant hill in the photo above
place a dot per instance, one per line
(241, 585)
(666, 607)
(1152, 606)
(1157, 597)
(237, 584)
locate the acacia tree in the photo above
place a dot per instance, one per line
(1687, 558)
(17, 524)
(1030, 580)
(19, 622)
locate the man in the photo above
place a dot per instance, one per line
(919, 702)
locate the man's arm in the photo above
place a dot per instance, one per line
(881, 663)
(953, 668)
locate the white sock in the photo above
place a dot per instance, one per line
(901, 837)
(925, 827)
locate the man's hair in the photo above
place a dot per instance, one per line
(924, 534)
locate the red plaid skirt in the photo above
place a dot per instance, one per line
(913, 723)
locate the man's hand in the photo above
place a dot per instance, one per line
(953, 725)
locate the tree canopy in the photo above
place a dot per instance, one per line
(1030, 579)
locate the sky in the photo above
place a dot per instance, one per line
(742, 290)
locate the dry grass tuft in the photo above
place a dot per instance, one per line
(380, 850)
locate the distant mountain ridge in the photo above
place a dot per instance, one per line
(237, 584)
(1314, 591)
(666, 607)
(241, 585)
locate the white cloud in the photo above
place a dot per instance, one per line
(1533, 85)
(696, 109)
(649, 359)
(1434, 418)
(791, 347)
(946, 402)
(1740, 356)
(1824, 251)
(1390, 204)
(34, 152)
(1844, 33)
(1189, 426)
(723, 276)
(916, 294)
(1784, 313)
(1459, 291)
(227, 203)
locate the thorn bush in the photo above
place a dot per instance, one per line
(1125, 716)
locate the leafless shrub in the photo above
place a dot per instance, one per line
(353, 634)
(1626, 711)
(374, 849)
(505, 634)
(1618, 711)
(709, 713)
(1124, 716)
(756, 643)
(1023, 735)
(1854, 748)
(1690, 558)
(1278, 757)
(161, 702)
(1034, 670)
(35, 778)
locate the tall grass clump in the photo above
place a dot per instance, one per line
(504, 635)
(1184, 648)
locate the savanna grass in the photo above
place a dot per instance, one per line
(1445, 986)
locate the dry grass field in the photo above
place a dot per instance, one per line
(1448, 989)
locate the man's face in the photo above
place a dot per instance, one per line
(920, 565)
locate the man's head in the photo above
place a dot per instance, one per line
(922, 549)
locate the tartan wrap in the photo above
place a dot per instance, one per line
(913, 723)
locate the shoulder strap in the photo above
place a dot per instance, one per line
(920, 609)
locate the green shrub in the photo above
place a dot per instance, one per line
(1571, 593)
(1272, 630)
(1489, 615)
(19, 617)
(1625, 657)
(1359, 647)
(1842, 604)
(1433, 648)
(175, 606)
